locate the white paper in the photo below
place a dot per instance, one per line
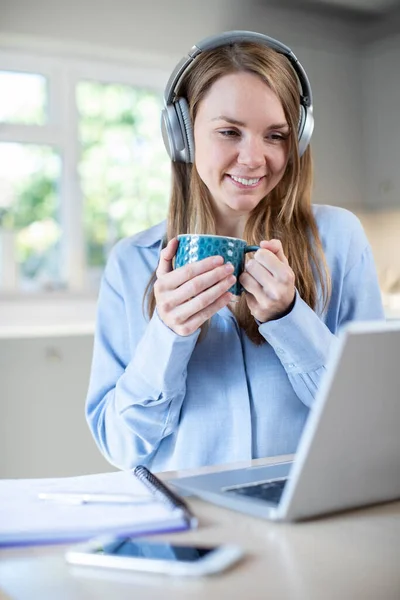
(24, 518)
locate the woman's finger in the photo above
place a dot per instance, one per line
(272, 264)
(201, 302)
(197, 320)
(260, 272)
(166, 256)
(197, 285)
(275, 246)
(183, 274)
(252, 303)
(252, 286)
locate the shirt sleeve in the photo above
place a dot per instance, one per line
(135, 393)
(303, 341)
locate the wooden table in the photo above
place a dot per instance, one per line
(351, 556)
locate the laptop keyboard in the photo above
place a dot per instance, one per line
(270, 491)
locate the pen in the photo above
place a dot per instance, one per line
(93, 497)
(160, 490)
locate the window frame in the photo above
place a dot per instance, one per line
(61, 132)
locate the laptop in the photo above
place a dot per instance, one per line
(349, 453)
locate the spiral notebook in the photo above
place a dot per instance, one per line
(48, 511)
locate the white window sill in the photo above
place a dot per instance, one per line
(58, 314)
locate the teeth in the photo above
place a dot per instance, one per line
(244, 181)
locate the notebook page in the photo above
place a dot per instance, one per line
(24, 518)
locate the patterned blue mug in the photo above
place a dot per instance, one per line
(193, 247)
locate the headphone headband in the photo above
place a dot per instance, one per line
(230, 37)
(176, 125)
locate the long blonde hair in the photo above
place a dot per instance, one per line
(286, 212)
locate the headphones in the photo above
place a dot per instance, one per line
(176, 126)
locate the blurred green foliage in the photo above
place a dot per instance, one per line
(29, 204)
(37, 201)
(124, 169)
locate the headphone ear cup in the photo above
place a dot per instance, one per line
(171, 132)
(306, 126)
(177, 131)
(183, 114)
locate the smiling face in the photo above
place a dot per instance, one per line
(241, 143)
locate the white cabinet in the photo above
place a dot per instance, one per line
(43, 385)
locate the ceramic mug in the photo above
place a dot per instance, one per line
(193, 247)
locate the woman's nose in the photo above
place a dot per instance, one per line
(251, 152)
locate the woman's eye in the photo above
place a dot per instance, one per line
(277, 137)
(229, 133)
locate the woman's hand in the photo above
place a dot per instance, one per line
(269, 282)
(186, 297)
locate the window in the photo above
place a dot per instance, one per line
(123, 170)
(29, 206)
(82, 164)
(23, 98)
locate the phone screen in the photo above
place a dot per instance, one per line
(138, 549)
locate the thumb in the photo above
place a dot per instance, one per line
(166, 256)
(275, 246)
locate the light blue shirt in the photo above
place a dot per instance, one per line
(163, 400)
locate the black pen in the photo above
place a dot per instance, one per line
(160, 490)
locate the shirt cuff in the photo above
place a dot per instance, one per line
(162, 356)
(300, 339)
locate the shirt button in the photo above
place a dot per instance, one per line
(280, 351)
(291, 365)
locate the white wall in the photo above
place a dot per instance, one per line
(164, 31)
(381, 106)
(166, 27)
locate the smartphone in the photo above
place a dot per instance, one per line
(153, 557)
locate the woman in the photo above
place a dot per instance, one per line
(160, 393)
